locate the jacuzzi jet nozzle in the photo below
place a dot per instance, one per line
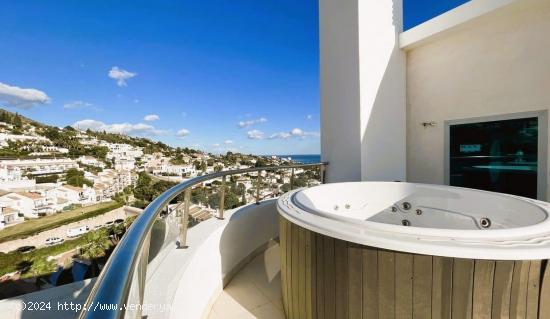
(485, 222)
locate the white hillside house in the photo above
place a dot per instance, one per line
(78, 195)
(29, 204)
(41, 166)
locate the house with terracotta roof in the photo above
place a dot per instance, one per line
(30, 204)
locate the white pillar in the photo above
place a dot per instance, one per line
(362, 90)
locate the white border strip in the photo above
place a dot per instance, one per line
(448, 20)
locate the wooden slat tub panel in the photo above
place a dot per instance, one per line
(533, 290)
(328, 278)
(403, 286)
(422, 300)
(484, 273)
(289, 268)
(320, 276)
(294, 284)
(302, 272)
(370, 283)
(386, 284)
(355, 281)
(544, 310)
(442, 285)
(463, 277)
(518, 292)
(283, 242)
(341, 278)
(502, 288)
(310, 275)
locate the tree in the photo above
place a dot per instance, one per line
(47, 179)
(17, 121)
(97, 243)
(76, 178)
(261, 162)
(53, 134)
(230, 201)
(285, 188)
(41, 266)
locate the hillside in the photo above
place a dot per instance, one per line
(68, 138)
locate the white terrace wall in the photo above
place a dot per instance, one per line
(496, 64)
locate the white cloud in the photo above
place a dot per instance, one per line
(216, 145)
(227, 142)
(255, 135)
(151, 117)
(120, 75)
(76, 105)
(243, 124)
(296, 132)
(309, 116)
(182, 133)
(283, 135)
(21, 98)
(119, 128)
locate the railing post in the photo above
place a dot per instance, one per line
(222, 199)
(258, 186)
(142, 272)
(269, 184)
(185, 218)
(322, 173)
(291, 178)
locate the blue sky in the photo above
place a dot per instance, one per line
(203, 67)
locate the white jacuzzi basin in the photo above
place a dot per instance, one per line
(425, 219)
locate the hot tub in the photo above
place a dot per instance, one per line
(413, 250)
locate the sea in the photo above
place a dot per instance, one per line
(303, 158)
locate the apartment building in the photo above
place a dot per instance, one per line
(39, 166)
(77, 195)
(31, 204)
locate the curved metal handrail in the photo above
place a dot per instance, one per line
(110, 292)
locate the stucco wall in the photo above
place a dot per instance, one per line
(496, 64)
(362, 73)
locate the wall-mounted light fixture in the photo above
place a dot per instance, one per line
(428, 124)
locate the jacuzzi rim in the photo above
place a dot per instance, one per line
(464, 233)
(519, 243)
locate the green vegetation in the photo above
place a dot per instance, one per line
(14, 149)
(46, 179)
(10, 118)
(67, 138)
(35, 226)
(93, 246)
(76, 178)
(13, 261)
(148, 189)
(200, 165)
(91, 168)
(231, 200)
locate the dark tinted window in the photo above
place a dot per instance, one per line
(499, 156)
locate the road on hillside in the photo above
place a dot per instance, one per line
(39, 240)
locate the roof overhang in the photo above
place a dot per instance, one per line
(448, 21)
